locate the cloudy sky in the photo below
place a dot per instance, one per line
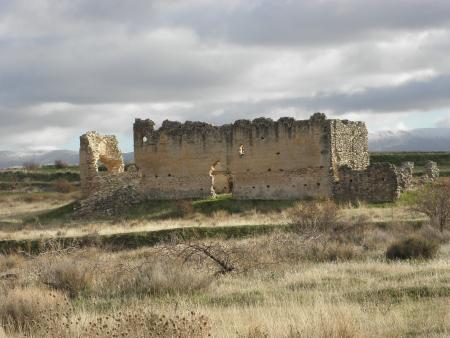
(69, 66)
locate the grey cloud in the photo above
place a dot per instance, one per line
(410, 96)
(98, 56)
(302, 23)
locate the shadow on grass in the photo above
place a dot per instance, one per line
(166, 209)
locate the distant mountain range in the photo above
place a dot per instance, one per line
(425, 139)
(9, 159)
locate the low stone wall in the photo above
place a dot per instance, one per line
(117, 193)
(379, 182)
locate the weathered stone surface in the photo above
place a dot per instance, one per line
(379, 182)
(405, 173)
(259, 159)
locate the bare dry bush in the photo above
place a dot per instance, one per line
(35, 312)
(412, 247)
(30, 165)
(143, 324)
(25, 309)
(60, 164)
(11, 261)
(155, 278)
(434, 201)
(255, 332)
(63, 186)
(313, 216)
(68, 274)
(220, 257)
(330, 251)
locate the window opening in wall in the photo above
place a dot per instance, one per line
(269, 169)
(108, 164)
(241, 150)
(268, 186)
(101, 167)
(278, 153)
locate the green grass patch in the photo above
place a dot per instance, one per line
(163, 209)
(58, 214)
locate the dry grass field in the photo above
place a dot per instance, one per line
(326, 276)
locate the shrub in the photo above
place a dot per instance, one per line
(66, 274)
(184, 208)
(23, 309)
(140, 324)
(30, 165)
(330, 252)
(8, 262)
(313, 215)
(434, 201)
(412, 247)
(63, 186)
(160, 279)
(60, 164)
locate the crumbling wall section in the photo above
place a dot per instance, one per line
(405, 173)
(379, 182)
(431, 171)
(117, 193)
(96, 149)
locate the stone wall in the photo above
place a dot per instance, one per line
(259, 159)
(349, 145)
(378, 182)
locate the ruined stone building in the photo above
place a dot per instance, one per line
(259, 159)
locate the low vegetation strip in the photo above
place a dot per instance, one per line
(37, 176)
(419, 158)
(133, 240)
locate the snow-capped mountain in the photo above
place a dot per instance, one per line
(424, 139)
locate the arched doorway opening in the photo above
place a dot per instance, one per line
(221, 179)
